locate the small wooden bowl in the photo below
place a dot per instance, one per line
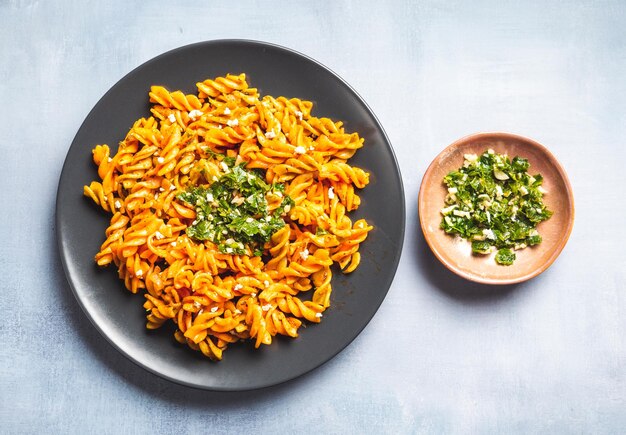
(456, 253)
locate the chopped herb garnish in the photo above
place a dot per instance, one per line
(233, 212)
(494, 202)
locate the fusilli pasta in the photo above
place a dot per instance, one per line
(169, 170)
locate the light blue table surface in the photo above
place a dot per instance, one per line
(442, 354)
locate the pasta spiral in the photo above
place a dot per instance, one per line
(215, 296)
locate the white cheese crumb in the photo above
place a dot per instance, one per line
(139, 272)
(311, 148)
(209, 197)
(172, 118)
(156, 195)
(194, 222)
(226, 111)
(266, 283)
(461, 213)
(287, 209)
(304, 254)
(118, 204)
(230, 241)
(488, 233)
(161, 189)
(331, 193)
(158, 235)
(229, 250)
(270, 135)
(237, 311)
(470, 157)
(160, 160)
(109, 160)
(224, 166)
(253, 295)
(249, 220)
(447, 210)
(299, 150)
(214, 309)
(237, 287)
(173, 243)
(172, 187)
(318, 315)
(266, 307)
(195, 114)
(298, 114)
(453, 189)
(224, 232)
(232, 122)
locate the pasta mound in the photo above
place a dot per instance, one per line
(214, 297)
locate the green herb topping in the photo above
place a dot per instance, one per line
(233, 211)
(495, 203)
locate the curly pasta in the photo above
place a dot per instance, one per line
(213, 295)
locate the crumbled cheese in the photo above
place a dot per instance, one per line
(318, 315)
(226, 111)
(331, 193)
(278, 194)
(118, 204)
(172, 187)
(139, 272)
(270, 134)
(304, 254)
(249, 220)
(447, 210)
(224, 232)
(453, 189)
(299, 150)
(109, 160)
(160, 160)
(161, 189)
(158, 235)
(232, 122)
(470, 157)
(209, 197)
(298, 114)
(230, 241)
(224, 166)
(229, 250)
(253, 295)
(237, 287)
(156, 196)
(287, 209)
(488, 233)
(266, 283)
(173, 243)
(195, 114)
(461, 213)
(266, 307)
(172, 118)
(214, 309)
(311, 148)
(237, 311)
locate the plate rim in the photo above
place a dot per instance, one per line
(475, 277)
(386, 143)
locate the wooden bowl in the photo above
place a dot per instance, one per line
(456, 253)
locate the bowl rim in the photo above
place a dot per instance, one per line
(482, 279)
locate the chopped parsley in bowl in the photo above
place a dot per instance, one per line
(495, 203)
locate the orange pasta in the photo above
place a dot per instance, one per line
(218, 289)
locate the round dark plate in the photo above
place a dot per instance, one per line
(119, 315)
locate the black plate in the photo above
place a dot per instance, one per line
(119, 315)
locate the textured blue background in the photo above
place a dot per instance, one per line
(442, 354)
